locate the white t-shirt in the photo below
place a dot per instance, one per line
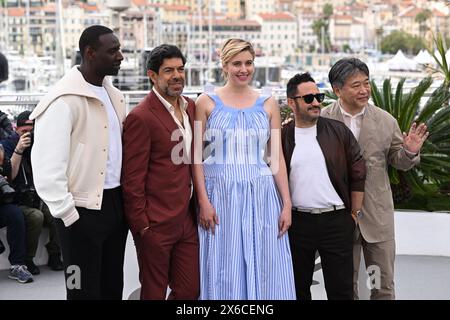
(114, 162)
(309, 182)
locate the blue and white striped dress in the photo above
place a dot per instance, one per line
(244, 259)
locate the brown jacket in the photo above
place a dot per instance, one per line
(381, 142)
(345, 164)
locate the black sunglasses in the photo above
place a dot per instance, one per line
(309, 98)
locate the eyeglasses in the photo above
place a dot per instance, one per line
(309, 98)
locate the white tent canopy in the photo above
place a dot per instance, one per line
(401, 63)
(424, 57)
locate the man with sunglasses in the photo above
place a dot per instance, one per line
(383, 145)
(326, 179)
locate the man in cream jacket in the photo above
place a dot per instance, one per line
(77, 160)
(382, 145)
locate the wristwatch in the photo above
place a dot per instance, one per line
(357, 213)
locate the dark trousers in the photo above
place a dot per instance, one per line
(35, 220)
(331, 234)
(169, 256)
(12, 218)
(93, 250)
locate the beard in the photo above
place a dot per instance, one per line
(174, 93)
(112, 71)
(108, 70)
(304, 115)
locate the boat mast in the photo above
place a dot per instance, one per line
(62, 48)
(200, 41)
(27, 43)
(189, 51)
(210, 37)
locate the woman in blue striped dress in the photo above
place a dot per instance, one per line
(244, 205)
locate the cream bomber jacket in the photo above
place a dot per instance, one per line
(70, 147)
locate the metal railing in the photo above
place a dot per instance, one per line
(16, 103)
(13, 104)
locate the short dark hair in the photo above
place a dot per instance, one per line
(291, 89)
(22, 119)
(345, 68)
(165, 51)
(90, 37)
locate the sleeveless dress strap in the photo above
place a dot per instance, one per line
(266, 93)
(218, 103)
(261, 100)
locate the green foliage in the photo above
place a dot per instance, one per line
(423, 16)
(405, 107)
(434, 168)
(400, 40)
(346, 48)
(444, 69)
(430, 201)
(321, 27)
(327, 10)
(330, 97)
(441, 60)
(286, 114)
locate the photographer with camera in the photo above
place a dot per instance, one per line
(18, 148)
(13, 219)
(11, 216)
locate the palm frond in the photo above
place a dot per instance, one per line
(412, 104)
(398, 98)
(376, 95)
(331, 97)
(406, 108)
(440, 118)
(416, 182)
(434, 103)
(387, 96)
(441, 60)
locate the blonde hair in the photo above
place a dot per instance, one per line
(232, 47)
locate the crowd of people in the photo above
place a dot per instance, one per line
(222, 201)
(21, 209)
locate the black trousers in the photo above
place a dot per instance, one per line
(331, 234)
(93, 250)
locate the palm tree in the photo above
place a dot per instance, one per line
(321, 28)
(422, 18)
(434, 166)
(444, 69)
(441, 60)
